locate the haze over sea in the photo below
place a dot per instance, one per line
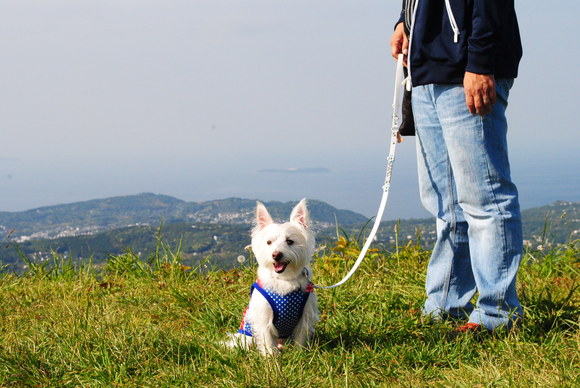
(350, 182)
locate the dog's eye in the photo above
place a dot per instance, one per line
(289, 242)
(269, 242)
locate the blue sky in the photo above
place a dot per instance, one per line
(204, 99)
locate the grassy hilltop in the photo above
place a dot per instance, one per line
(133, 323)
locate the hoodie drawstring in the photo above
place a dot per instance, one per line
(452, 21)
(413, 5)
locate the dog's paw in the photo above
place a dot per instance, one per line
(237, 340)
(280, 344)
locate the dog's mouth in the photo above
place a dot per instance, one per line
(279, 266)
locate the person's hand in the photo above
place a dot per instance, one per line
(479, 92)
(399, 43)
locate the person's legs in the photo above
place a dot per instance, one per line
(450, 284)
(477, 149)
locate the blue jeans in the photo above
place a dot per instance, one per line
(464, 181)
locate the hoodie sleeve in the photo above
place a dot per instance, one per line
(398, 21)
(401, 15)
(486, 32)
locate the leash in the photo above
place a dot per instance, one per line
(397, 99)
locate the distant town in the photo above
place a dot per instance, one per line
(220, 229)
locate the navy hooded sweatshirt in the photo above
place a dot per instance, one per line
(488, 42)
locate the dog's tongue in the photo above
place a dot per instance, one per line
(279, 267)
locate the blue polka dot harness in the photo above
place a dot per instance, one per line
(287, 310)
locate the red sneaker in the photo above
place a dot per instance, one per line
(470, 327)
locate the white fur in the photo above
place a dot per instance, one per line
(295, 242)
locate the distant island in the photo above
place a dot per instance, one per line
(218, 230)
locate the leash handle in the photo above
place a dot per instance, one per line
(397, 99)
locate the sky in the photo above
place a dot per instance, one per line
(259, 99)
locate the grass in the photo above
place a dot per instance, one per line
(149, 323)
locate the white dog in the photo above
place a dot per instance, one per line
(282, 301)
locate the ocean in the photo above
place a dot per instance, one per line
(350, 181)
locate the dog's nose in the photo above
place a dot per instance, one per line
(277, 256)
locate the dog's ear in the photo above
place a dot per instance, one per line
(263, 218)
(300, 214)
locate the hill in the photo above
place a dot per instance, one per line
(96, 229)
(553, 224)
(101, 215)
(219, 230)
(543, 227)
(221, 243)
